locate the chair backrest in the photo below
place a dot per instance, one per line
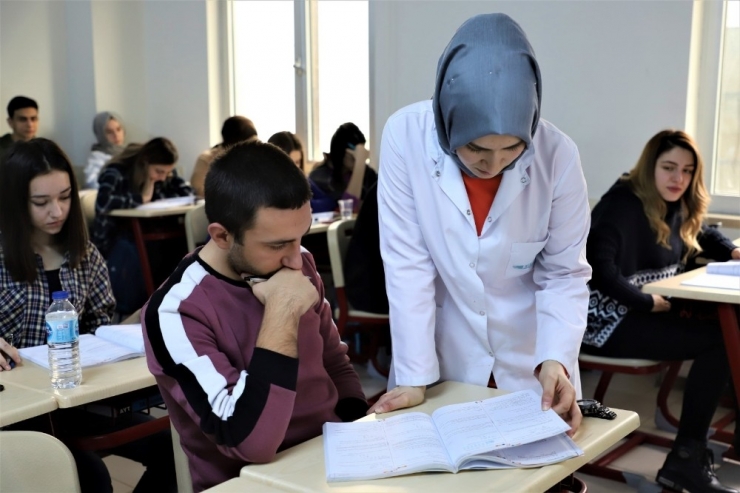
(87, 201)
(182, 466)
(31, 461)
(337, 237)
(196, 226)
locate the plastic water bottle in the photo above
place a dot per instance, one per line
(63, 336)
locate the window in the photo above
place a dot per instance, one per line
(264, 80)
(713, 110)
(726, 176)
(301, 66)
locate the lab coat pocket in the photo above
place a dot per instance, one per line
(522, 257)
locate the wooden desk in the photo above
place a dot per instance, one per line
(135, 216)
(98, 382)
(18, 403)
(302, 468)
(727, 302)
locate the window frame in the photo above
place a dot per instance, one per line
(702, 115)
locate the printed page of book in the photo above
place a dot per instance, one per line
(129, 335)
(500, 422)
(395, 446)
(717, 281)
(93, 351)
(729, 268)
(540, 453)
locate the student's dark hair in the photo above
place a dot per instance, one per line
(136, 157)
(237, 129)
(23, 162)
(288, 142)
(249, 176)
(20, 102)
(347, 134)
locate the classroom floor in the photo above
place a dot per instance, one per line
(637, 393)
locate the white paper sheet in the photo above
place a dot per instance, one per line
(168, 203)
(714, 281)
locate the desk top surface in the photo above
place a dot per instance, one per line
(145, 213)
(18, 403)
(302, 467)
(673, 287)
(98, 382)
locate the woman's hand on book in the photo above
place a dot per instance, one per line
(399, 398)
(559, 394)
(9, 356)
(735, 254)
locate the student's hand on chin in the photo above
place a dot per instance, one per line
(559, 394)
(290, 289)
(398, 398)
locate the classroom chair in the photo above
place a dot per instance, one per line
(182, 467)
(338, 236)
(87, 201)
(608, 367)
(196, 226)
(31, 461)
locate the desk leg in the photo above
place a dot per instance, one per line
(146, 270)
(731, 332)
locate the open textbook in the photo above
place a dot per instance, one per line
(501, 432)
(167, 203)
(722, 275)
(110, 343)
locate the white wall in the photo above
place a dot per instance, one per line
(614, 72)
(148, 61)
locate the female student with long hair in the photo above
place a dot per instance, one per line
(44, 248)
(645, 228)
(292, 146)
(343, 174)
(139, 175)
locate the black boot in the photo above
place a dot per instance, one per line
(688, 467)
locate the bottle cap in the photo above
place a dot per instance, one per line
(59, 295)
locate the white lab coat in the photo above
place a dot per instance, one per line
(463, 306)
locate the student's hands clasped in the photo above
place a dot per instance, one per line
(398, 398)
(559, 394)
(9, 351)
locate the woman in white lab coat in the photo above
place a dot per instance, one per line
(483, 222)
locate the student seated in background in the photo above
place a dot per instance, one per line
(23, 120)
(344, 174)
(44, 248)
(249, 367)
(139, 175)
(291, 145)
(644, 229)
(110, 135)
(235, 129)
(363, 265)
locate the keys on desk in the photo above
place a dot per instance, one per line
(593, 408)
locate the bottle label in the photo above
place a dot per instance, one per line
(62, 331)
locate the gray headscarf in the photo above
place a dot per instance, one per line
(488, 82)
(99, 123)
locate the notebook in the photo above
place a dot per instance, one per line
(109, 344)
